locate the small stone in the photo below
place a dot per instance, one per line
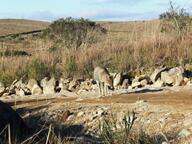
(80, 114)
(184, 133)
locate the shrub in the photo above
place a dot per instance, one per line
(71, 32)
(175, 19)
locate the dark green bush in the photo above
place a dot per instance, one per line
(71, 32)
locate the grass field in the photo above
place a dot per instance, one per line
(10, 26)
(127, 46)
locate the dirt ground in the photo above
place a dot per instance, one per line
(171, 107)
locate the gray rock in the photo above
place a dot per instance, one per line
(31, 83)
(158, 84)
(74, 84)
(48, 86)
(117, 80)
(2, 89)
(166, 78)
(136, 84)
(36, 90)
(20, 92)
(176, 70)
(185, 133)
(144, 82)
(157, 73)
(125, 84)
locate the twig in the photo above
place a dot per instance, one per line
(9, 133)
(33, 136)
(3, 129)
(48, 134)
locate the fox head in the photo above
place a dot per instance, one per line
(109, 81)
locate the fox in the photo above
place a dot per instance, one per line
(103, 79)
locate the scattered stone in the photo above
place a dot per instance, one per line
(19, 92)
(2, 89)
(176, 70)
(48, 86)
(65, 116)
(166, 78)
(80, 114)
(136, 85)
(159, 83)
(157, 73)
(184, 133)
(117, 80)
(143, 82)
(31, 83)
(125, 84)
(74, 84)
(36, 90)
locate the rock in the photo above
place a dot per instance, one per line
(44, 82)
(166, 78)
(20, 92)
(185, 133)
(48, 86)
(178, 79)
(143, 82)
(176, 70)
(125, 84)
(36, 90)
(117, 80)
(74, 84)
(31, 83)
(136, 85)
(158, 84)
(157, 73)
(10, 116)
(80, 114)
(65, 116)
(2, 89)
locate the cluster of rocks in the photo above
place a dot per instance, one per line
(46, 86)
(161, 76)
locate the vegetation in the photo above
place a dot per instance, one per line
(73, 47)
(175, 19)
(71, 32)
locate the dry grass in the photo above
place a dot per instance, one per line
(127, 46)
(10, 26)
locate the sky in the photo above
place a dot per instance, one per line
(99, 10)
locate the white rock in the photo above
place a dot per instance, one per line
(36, 90)
(185, 133)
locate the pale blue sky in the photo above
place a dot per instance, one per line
(116, 10)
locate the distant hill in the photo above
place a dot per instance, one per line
(12, 26)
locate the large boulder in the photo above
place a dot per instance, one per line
(8, 116)
(31, 83)
(36, 90)
(166, 78)
(125, 84)
(2, 89)
(48, 86)
(157, 73)
(159, 83)
(117, 80)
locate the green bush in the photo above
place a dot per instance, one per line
(71, 32)
(175, 19)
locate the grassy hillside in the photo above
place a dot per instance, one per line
(127, 46)
(10, 26)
